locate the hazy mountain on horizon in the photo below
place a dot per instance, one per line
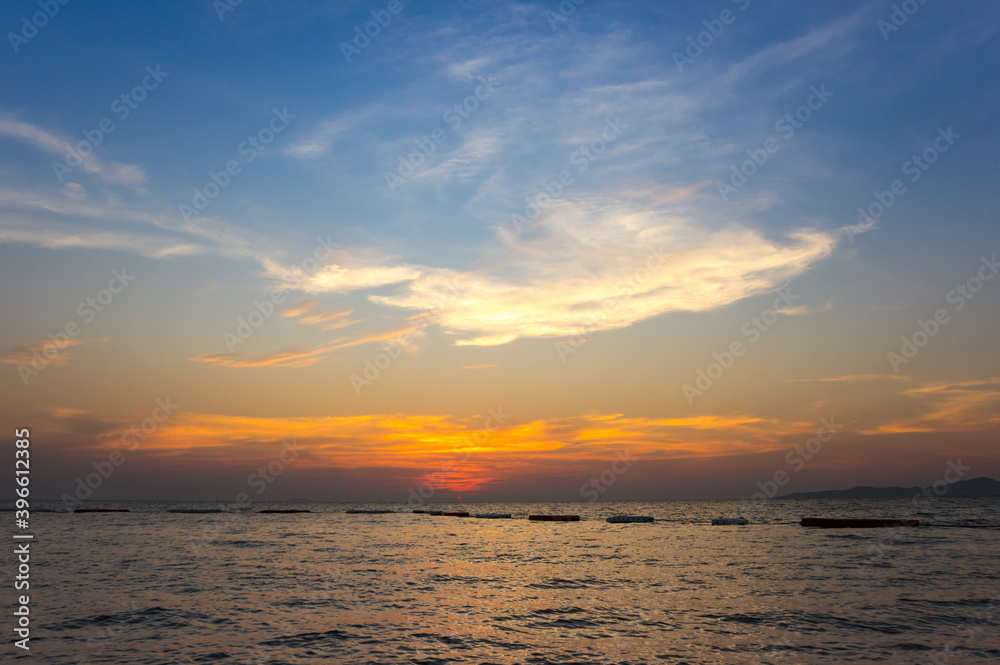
(981, 486)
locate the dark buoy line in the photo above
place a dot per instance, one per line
(554, 518)
(814, 522)
(853, 523)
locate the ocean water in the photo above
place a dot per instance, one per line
(150, 586)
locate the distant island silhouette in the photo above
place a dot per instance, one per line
(982, 486)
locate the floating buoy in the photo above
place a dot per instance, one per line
(358, 511)
(493, 516)
(459, 514)
(727, 521)
(849, 523)
(291, 510)
(101, 510)
(435, 512)
(420, 512)
(554, 518)
(624, 519)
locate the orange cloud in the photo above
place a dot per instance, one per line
(461, 453)
(301, 356)
(950, 407)
(54, 352)
(339, 319)
(663, 194)
(333, 320)
(300, 308)
(851, 378)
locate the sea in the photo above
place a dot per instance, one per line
(152, 586)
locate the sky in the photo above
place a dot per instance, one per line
(476, 251)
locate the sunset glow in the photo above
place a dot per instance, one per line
(492, 252)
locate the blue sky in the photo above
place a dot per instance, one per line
(595, 95)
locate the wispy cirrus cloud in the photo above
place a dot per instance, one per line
(300, 308)
(952, 406)
(306, 355)
(835, 36)
(51, 352)
(304, 313)
(295, 357)
(114, 173)
(351, 269)
(599, 269)
(324, 135)
(852, 378)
